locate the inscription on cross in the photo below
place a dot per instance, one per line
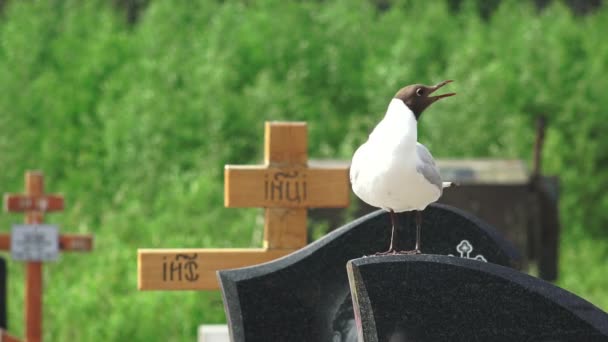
(285, 186)
(30, 242)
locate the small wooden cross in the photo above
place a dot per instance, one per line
(285, 186)
(35, 203)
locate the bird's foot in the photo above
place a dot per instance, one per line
(396, 252)
(389, 252)
(411, 252)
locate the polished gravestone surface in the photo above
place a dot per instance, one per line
(305, 296)
(3, 303)
(438, 298)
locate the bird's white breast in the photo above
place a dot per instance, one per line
(383, 170)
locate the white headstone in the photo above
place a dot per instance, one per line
(213, 333)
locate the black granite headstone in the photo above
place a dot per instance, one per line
(437, 298)
(3, 303)
(305, 296)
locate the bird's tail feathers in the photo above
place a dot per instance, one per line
(448, 185)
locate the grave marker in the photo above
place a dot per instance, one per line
(285, 186)
(310, 298)
(35, 203)
(438, 298)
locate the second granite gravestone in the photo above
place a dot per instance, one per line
(434, 298)
(305, 296)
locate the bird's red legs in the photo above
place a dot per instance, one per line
(416, 250)
(418, 228)
(391, 248)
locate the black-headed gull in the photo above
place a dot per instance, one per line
(392, 170)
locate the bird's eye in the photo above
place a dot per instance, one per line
(419, 91)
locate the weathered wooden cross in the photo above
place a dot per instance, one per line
(35, 203)
(285, 186)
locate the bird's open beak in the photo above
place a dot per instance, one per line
(437, 86)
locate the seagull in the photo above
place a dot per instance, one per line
(392, 170)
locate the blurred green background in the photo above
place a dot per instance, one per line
(131, 109)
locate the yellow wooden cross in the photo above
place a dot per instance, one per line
(285, 186)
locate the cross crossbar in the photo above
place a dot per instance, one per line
(285, 186)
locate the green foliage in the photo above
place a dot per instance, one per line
(134, 125)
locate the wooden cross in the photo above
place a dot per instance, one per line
(285, 186)
(35, 203)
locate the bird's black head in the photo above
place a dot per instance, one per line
(417, 96)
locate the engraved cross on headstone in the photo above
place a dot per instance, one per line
(465, 248)
(285, 186)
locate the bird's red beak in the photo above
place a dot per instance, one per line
(437, 86)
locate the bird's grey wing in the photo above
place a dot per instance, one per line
(427, 166)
